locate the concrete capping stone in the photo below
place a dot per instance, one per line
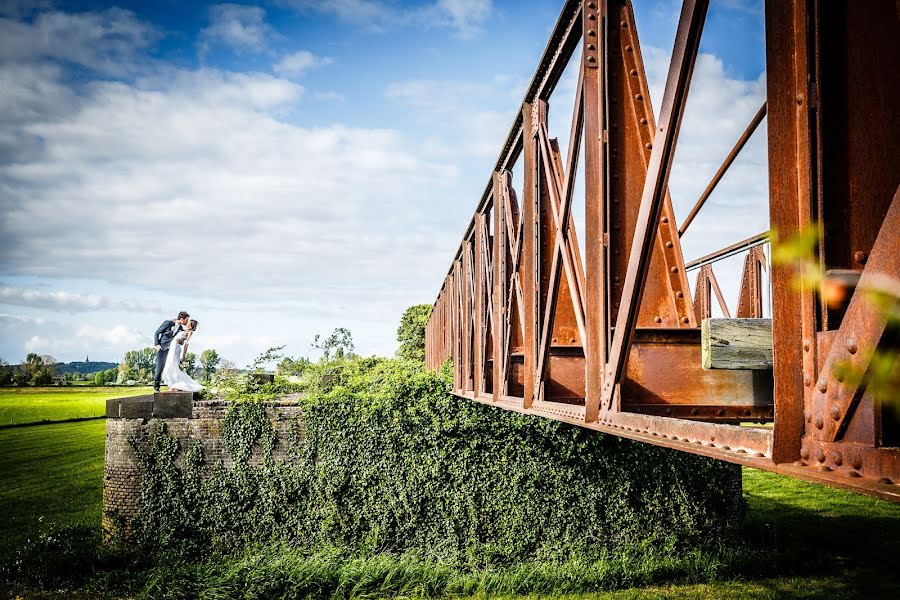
(139, 407)
(112, 408)
(173, 405)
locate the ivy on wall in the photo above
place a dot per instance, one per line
(387, 461)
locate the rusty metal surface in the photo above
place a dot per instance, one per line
(609, 341)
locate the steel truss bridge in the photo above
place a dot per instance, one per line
(612, 340)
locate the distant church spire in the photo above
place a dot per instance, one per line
(86, 359)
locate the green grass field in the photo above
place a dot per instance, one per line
(32, 405)
(829, 543)
(50, 474)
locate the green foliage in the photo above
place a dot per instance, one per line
(391, 463)
(411, 333)
(292, 366)
(209, 360)
(271, 355)
(189, 364)
(338, 345)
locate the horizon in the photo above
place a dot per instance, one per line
(280, 169)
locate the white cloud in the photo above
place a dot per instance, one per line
(298, 63)
(465, 17)
(70, 302)
(115, 340)
(107, 41)
(20, 320)
(191, 182)
(237, 26)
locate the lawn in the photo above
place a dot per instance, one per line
(35, 404)
(829, 543)
(50, 474)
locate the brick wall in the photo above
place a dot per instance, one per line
(121, 471)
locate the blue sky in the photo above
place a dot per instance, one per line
(283, 168)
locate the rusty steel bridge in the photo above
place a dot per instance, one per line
(614, 340)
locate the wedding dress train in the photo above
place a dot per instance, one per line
(172, 374)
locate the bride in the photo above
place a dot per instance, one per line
(172, 375)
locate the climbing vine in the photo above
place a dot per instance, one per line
(385, 460)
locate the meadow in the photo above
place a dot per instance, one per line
(36, 404)
(817, 541)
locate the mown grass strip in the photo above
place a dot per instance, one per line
(34, 405)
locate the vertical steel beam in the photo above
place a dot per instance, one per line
(528, 276)
(687, 42)
(479, 304)
(790, 208)
(499, 291)
(594, 58)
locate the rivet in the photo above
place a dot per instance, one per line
(685, 320)
(820, 423)
(591, 47)
(823, 384)
(665, 219)
(616, 279)
(859, 256)
(633, 72)
(807, 380)
(804, 453)
(657, 320)
(571, 340)
(807, 415)
(885, 481)
(800, 99)
(835, 412)
(851, 346)
(624, 25)
(679, 294)
(694, 411)
(856, 462)
(720, 412)
(591, 17)
(591, 5)
(648, 146)
(853, 474)
(643, 121)
(759, 455)
(674, 269)
(838, 375)
(836, 458)
(820, 455)
(591, 59)
(629, 49)
(668, 411)
(638, 97)
(553, 340)
(668, 244)
(824, 468)
(806, 345)
(591, 32)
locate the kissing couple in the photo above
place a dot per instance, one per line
(171, 341)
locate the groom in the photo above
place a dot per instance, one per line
(163, 339)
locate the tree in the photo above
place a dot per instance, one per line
(340, 342)
(411, 333)
(140, 360)
(292, 366)
(189, 363)
(270, 355)
(209, 360)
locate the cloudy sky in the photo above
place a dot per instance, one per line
(283, 168)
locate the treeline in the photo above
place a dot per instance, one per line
(137, 366)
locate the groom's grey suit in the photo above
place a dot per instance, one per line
(163, 338)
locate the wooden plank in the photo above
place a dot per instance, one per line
(743, 344)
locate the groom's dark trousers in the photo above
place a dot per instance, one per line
(161, 356)
(163, 339)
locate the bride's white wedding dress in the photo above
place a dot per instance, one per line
(172, 374)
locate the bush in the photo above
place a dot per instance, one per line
(390, 462)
